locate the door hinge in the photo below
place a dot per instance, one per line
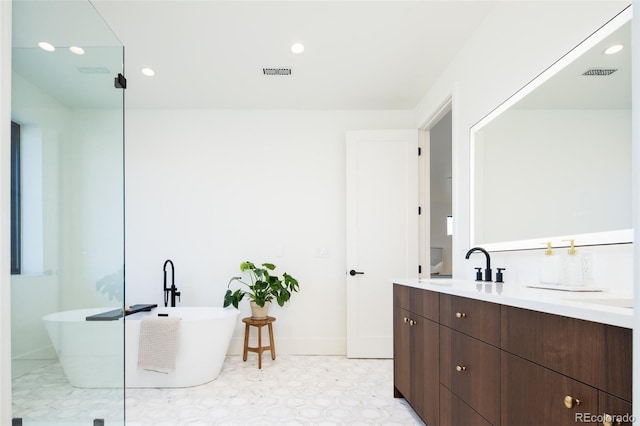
(419, 151)
(419, 269)
(120, 82)
(419, 210)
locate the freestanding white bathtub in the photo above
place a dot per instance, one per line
(91, 352)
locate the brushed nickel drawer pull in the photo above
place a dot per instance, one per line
(412, 322)
(405, 319)
(461, 315)
(570, 401)
(461, 368)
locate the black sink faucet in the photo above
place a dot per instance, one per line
(173, 290)
(487, 270)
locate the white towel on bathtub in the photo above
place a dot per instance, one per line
(158, 344)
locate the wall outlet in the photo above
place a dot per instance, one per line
(587, 266)
(321, 252)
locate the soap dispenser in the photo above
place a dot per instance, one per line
(550, 272)
(572, 274)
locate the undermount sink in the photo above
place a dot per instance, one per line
(619, 303)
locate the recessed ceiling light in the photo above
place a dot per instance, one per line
(77, 50)
(614, 49)
(46, 46)
(297, 48)
(148, 72)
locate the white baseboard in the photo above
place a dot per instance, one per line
(31, 361)
(45, 352)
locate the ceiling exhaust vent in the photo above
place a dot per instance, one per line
(276, 71)
(600, 71)
(94, 70)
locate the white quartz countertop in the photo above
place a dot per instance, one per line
(602, 307)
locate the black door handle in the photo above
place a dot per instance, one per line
(354, 272)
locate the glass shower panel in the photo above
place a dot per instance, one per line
(67, 367)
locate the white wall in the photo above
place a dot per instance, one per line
(212, 188)
(91, 210)
(206, 187)
(5, 219)
(506, 52)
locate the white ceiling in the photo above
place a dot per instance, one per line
(359, 54)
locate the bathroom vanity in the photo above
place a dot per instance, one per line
(484, 354)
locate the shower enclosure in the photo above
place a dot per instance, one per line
(67, 204)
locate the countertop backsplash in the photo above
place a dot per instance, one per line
(612, 266)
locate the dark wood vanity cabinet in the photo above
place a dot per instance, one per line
(454, 411)
(593, 353)
(416, 352)
(533, 395)
(401, 354)
(470, 355)
(549, 359)
(618, 409)
(462, 361)
(475, 318)
(470, 369)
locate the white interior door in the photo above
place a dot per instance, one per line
(382, 233)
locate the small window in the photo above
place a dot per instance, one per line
(15, 198)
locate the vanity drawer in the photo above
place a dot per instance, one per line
(471, 370)
(422, 302)
(454, 412)
(619, 409)
(473, 317)
(590, 352)
(533, 395)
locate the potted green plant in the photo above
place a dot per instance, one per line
(262, 288)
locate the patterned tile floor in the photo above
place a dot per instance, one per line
(292, 390)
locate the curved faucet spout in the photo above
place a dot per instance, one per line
(172, 290)
(167, 262)
(487, 270)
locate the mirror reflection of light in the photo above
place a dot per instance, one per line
(614, 49)
(77, 50)
(46, 46)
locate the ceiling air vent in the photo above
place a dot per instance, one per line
(276, 71)
(600, 71)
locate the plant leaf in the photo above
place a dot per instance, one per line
(227, 299)
(263, 286)
(246, 266)
(234, 279)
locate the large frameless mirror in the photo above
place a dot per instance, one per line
(553, 162)
(68, 225)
